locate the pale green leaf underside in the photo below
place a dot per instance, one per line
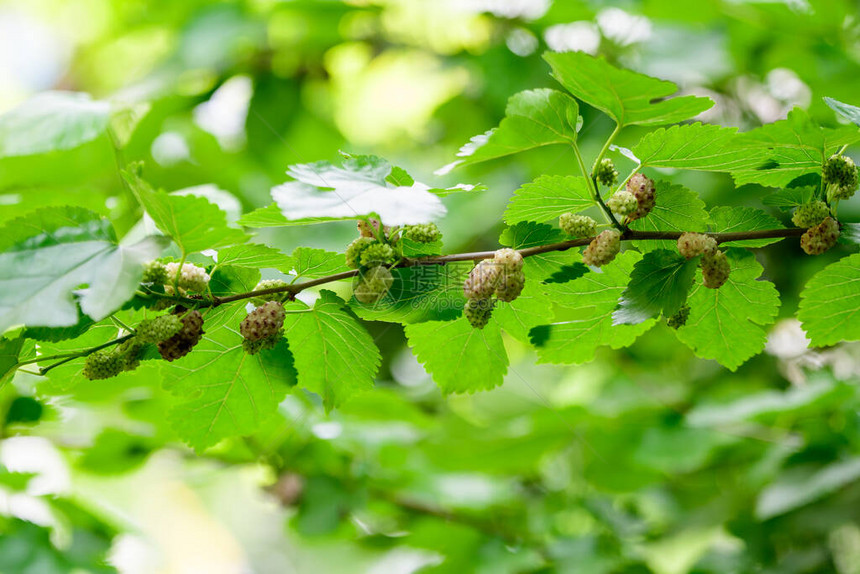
(547, 197)
(847, 111)
(585, 323)
(533, 118)
(627, 97)
(830, 303)
(727, 324)
(334, 356)
(223, 391)
(460, 358)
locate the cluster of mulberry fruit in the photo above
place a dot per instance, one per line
(577, 225)
(840, 178)
(810, 214)
(821, 237)
(644, 190)
(500, 278)
(623, 203)
(422, 233)
(263, 327)
(186, 338)
(602, 248)
(714, 263)
(605, 173)
(189, 278)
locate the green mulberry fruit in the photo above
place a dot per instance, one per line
(715, 269)
(423, 233)
(159, 329)
(263, 322)
(270, 342)
(478, 312)
(355, 249)
(510, 285)
(154, 272)
(377, 254)
(623, 203)
(679, 319)
(821, 237)
(643, 189)
(271, 284)
(810, 214)
(840, 177)
(103, 364)
(602, 248)
(182, 342)
(373, 284)
(577, 225)
(606, 174)
(130, 353)
(694, 244)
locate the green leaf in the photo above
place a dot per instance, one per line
(800, 486)
(191, 221)
(325, 192)
(308, 262)
(255, 255)
(791, 197)
(830, 303)
(10, 350)
(334, 356)
(530, 234)
(532, 308)
(677, 209)
(52, 121)
(793, 147)
(850, 233)
(231, 279)
(221, 390)
(460, 358)
(27, 548)
(696, 146)
(847, 111)
(728, 219)
(47, 255)
(269, 216)
(420, 293)
(547, 197)
(412, 248)
(533, 118)
(585, 323)
(659, 283)
(726, 324)
(627, 97)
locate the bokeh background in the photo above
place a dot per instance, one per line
(645, 460)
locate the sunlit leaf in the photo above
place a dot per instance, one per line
(547, 197)
(830, 303)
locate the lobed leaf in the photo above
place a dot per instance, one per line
(697, 146)
(547, 197)
(830, 303)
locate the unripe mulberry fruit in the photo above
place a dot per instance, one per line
(510, 285)
(377, 254)
(182, 342)
(840, 177)
(191, 277)
(270, 284)
(820, 238)
(694, 244)
(810, 214)
(270, 342)
(423, 233)
(643, 189)
(606, 174)
(679, 319)
(262, 322)
(373, 284)
(355, 249)
(154, 272)
(478, 312)
(602, 248)
(577, 225)
(159, 329)
(482, 280)
(130, 353)
(102, 364)
(715, 269)
(622, 203)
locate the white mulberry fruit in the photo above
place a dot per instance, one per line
(423, 233)
(159, 329)
(821, 237)
(715, 269)
(810, 214)
(510, 285)
(694, 244)
(262, 322)
(622, 203)
(643, 189)
(373, 284)
(577, 225)
(270, 342)
(478, 312)
(606, 174)
(602, 248)
(182, 342)
(191, 278)
(509, 258)
(482, 280)
(271, 284)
